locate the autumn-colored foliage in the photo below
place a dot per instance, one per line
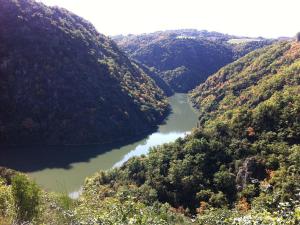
(270, 174)
(243, 205)
(250, 131)
(202, 208)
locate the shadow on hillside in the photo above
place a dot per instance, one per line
(30, 159)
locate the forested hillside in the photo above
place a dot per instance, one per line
(242, 163)
(240, 166)
(61, 82)
(185, 58)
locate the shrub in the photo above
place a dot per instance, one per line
(26, 195)
(65, 202)
(6, 201)
(218, 200)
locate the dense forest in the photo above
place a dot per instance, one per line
(185, 58)
(239, 166)
(243, 160)
(64, 83)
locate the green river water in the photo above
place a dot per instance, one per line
(65, 169)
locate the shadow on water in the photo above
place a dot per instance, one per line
(30, 159)
(65, 168)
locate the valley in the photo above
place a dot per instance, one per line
(170, 127)
(65, 169)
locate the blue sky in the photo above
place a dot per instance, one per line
(268, 18)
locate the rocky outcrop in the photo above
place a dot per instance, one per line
(252, 171)
(6, 174)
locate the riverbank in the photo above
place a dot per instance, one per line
(65, 170)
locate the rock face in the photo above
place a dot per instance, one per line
(6, 174)
(252, 171)
(298, 37)
(61, 82)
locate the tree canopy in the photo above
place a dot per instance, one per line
(64, 83)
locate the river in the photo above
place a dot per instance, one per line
(65, 169)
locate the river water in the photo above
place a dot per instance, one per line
(65, 169)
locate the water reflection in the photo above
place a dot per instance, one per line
(153, 140)
(64, 169)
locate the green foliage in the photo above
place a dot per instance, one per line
(218, 200)
(245, 154)
(243, 48)
(26, 196)
(74, 85)
(127, 211)
(215, 216)
(185, 58)
(65, 202)
(225, 181)
(6, 201)
(249, 192)
(241, 166)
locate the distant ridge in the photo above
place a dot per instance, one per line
(185, 58)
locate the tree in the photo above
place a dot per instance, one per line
(225, 181)
(26, 196)
(298, 37)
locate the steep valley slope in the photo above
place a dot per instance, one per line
(185, 58)
(243, 155)
(240, 166)
(61, 82)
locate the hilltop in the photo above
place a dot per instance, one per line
(185, 58)
(240, 166)
(62, 82)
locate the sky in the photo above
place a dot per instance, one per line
(267, 18)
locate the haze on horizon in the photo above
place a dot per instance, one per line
(267, 18)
